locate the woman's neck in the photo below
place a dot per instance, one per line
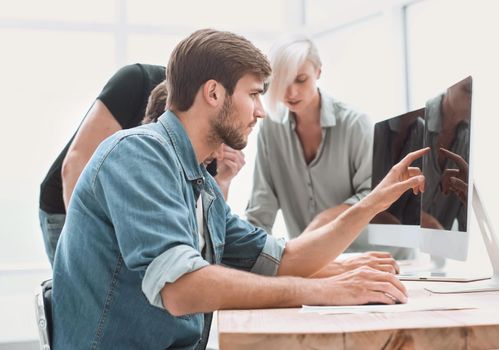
(311, 113)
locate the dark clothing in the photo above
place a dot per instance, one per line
(125, 95)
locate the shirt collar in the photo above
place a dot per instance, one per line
(182, 145)
(327, 115)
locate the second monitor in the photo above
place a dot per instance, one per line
(437, 220)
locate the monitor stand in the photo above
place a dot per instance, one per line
(491, 241)
(438, 262)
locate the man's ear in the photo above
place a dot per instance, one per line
(212, 92)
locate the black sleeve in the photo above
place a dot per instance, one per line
(122, 95)
(212, 168)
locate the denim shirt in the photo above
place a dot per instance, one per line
(130, 229)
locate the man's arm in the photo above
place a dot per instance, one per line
(381, 261)
(98, 125)
(214, 287)
(308, 254)
(217, 288)
(326, 216)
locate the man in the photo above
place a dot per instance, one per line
(147, 232)
(120, 105)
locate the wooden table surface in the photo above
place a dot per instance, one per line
(291, 329)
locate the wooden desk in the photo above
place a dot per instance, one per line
(289, 329)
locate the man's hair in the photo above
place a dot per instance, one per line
(210, 54)
(286, 57)
(156, 103)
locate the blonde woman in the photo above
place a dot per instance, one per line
(314, 153)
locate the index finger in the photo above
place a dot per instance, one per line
(228, 150)
(411, 157)
(393, 280)
(230, 155)
(461, 163)
(379, 254)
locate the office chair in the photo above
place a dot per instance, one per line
(43, 310)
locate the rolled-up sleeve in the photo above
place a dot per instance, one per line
(269, 259)
(251, 248)
(149, 213)
(167, 268)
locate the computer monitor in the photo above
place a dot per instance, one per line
(447, 200)
(444, 209)
(435, 221)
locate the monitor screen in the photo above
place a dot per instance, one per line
(393, 139)
(447, 132)
(435, 221)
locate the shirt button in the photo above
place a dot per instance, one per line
(199, 182)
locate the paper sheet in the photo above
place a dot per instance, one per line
(427, 303)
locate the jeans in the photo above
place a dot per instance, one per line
(51, 225)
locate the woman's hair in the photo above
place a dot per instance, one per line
(286, 56)
(156, 104)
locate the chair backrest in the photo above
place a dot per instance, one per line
(43, 310)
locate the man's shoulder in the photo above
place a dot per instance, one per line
(137, 141)
(146, 131)
(137, 148)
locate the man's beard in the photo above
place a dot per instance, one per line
(225, 131)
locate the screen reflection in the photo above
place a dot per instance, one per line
(447, 132)
(393, 140)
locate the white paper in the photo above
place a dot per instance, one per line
(427, 303)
